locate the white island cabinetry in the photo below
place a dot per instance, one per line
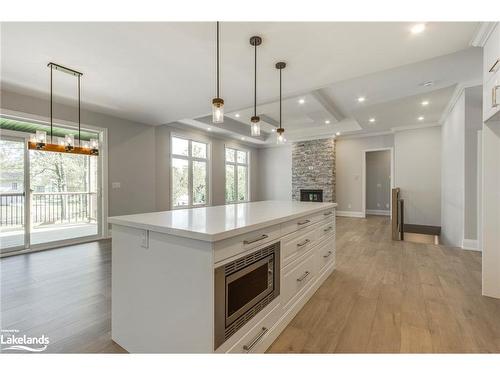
(217, 279)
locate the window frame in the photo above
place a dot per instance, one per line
(190, 160)
(236, 164)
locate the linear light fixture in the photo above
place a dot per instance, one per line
(39, 140)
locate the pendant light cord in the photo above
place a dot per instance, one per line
(51, 103)
(217, 59)
(255, 82)
(79, 114)
(280, 98)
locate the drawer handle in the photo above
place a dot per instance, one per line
(494, 103)
(493, 68)
(328, 213)
(305, 242)
(301, 278)
(263, 237)
(249, 346)
(327, 229)
(327, 254)
(303, 222)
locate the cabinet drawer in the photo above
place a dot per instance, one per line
(325, 254)
(296, 277)
(296, 244)
(239, 244)
(304, 222)
(251, 341)
(325, 230)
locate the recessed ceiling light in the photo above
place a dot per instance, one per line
(372, 120)
(338, 133)
(361, 99)
(421, 118)
(418, 28)
(237, 115)
(209, 129)
(242, 138)
(425, 102)
(427, 83)
(327, 122)
(301, 101)
(273, 130)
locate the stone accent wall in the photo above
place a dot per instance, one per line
(313, 167)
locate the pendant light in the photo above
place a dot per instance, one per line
(280, 139)
(217, 102)
(255, 120)
(39, 140)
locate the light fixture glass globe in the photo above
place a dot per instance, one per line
(217, 111)
(255, 126)
(280, 139)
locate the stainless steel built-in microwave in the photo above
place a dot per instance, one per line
(243, 288)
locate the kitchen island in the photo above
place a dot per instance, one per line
(217, 279)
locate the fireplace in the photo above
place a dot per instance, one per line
(308, 195)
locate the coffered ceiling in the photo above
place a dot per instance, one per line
(159, 73)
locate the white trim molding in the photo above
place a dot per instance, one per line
(455, 96)
(470, 245)
(350, 214)
(482, 33)
(378, 212)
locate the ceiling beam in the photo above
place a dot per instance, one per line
(328, 105)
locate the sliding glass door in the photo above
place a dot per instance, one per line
(13, 182)
(47, 198)
(64, 196)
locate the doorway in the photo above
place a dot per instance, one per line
(377, 181)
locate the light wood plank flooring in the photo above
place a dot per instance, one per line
(384, 297)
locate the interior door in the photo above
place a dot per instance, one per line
(14, 179)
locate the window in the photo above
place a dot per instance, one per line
(189, 173)
(236, 175)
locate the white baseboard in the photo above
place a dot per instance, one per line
(350, 214)
(378, 212)
(470, 245)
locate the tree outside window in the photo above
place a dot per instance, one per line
(236, 175)
(189, 173)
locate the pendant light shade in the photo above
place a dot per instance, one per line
(280, 139)
(255, 120)
(217, 102)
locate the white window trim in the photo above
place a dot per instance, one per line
(190, 160)
(235, 163)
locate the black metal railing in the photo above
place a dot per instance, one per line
(48, 208)
(11, 209)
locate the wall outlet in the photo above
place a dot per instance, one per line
(349, 205)
(378, 205)
(145, 239)
(387, 205)
(116, 185)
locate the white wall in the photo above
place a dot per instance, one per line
(131, 155)
(275, 173)
(418, 174)
(460, 169)
(378, 180)
(349, 165)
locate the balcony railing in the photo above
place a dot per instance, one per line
(48, 208)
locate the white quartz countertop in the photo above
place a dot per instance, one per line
(216, 223)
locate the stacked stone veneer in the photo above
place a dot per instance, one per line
(313, 167)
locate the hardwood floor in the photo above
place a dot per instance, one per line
(385, 296)
(395, 297)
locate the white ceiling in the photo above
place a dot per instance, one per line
(157, 73)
